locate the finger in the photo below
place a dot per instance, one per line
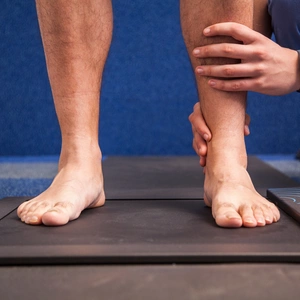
(195, 143)
(247, 119)
(199, 124)
(247, 123)
(197, 107)
(237, 31)
(203, 162)
(229, 71)
(235, 85)
(246, 130)
(199, 144)
(196, 149)
(228, 50)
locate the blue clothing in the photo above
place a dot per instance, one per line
(285, 16)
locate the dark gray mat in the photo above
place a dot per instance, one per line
(151, 231)
(148, 231)
(7, 205)
(177, 177)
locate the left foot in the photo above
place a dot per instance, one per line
(228, 189)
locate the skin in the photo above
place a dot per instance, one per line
(265, 68)
(202, 134)
(228, 189)
(76, 36)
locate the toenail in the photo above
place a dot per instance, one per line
(53, 210)
(33, 219)
(232, 217)
(249, 221)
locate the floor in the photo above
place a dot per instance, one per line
(29, 176)
(286, 164)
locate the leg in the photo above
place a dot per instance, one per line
(76, 36)
(261, 18)
(228, 187)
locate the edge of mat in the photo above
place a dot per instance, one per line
(96, 254)
(9, 204)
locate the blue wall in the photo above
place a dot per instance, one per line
(148, 89)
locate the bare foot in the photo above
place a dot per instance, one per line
(228, 189)
(77, 186)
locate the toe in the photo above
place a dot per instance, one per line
(275, 212)
(227, 216)
(268, 214)
(26, 210)
(32, 213)
(60, 214)
(23, 208)
(32, 219)
(247, 215)
(259, 216)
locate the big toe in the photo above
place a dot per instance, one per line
(60, 214)
(227, 216)
(55, 217)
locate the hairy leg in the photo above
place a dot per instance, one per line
(261, 18)
(228, 187)
(76, 37)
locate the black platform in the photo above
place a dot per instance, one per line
(154, 215)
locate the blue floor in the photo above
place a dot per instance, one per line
(29, 176)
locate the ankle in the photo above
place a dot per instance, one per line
(224, 154)
(84, 154)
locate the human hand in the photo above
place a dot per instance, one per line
(202, 134)
(265, 66)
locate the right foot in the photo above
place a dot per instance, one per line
(77, 186)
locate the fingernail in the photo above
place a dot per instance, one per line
(205, 136)
(206, 30)
(196, 51)
(212, 83)
(199, 70)
(247, 129)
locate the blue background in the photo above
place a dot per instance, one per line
(148, 88)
